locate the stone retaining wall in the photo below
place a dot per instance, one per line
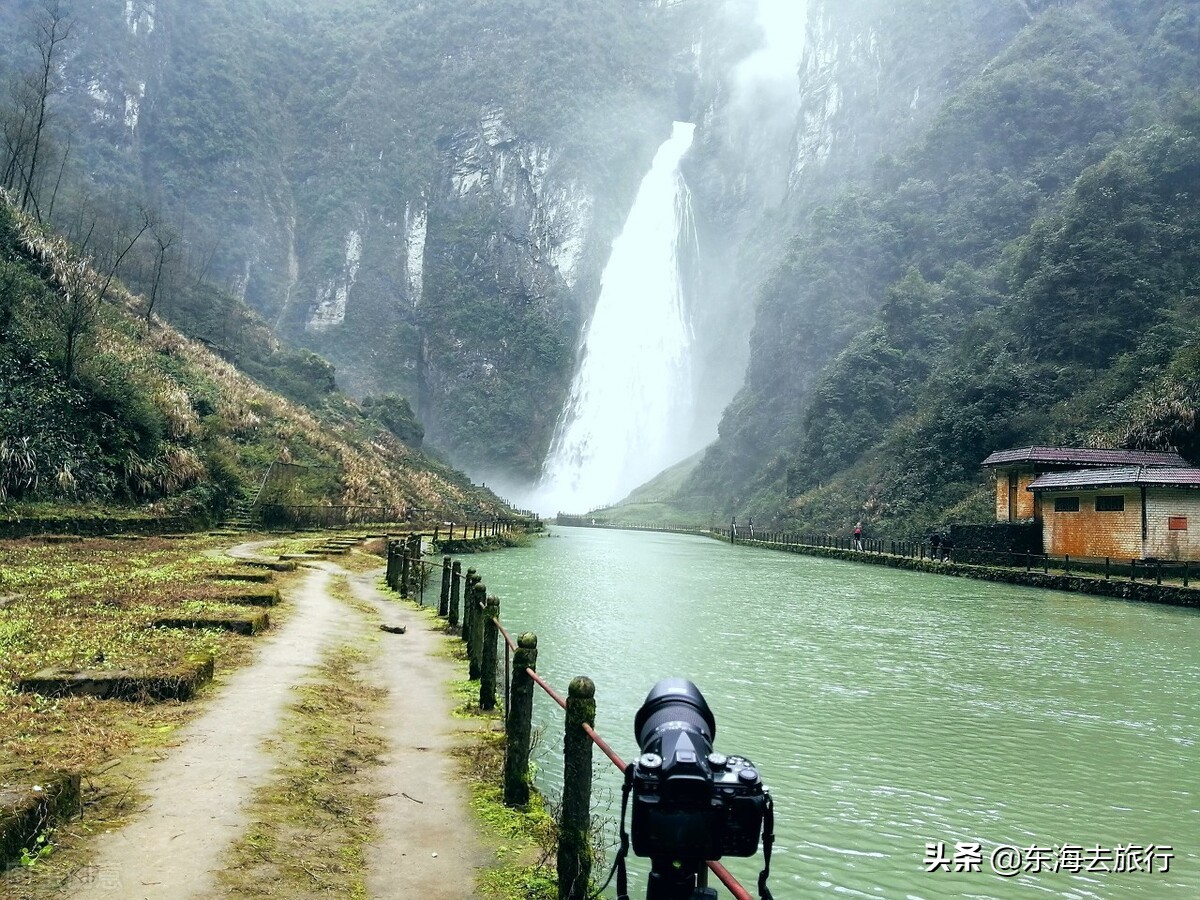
(1118, 588)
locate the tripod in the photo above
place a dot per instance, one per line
(677, 881)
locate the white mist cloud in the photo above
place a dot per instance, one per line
(772, 69)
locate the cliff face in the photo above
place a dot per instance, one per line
(926, 307)
(422, 192)
(426, 193)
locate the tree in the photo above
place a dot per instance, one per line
(83, 294)
(164, 239)
(53, 29)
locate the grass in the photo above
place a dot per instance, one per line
(89, 605)
(525, 840)
(313, 823)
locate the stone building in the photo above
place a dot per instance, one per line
(1127, 512)
(1016, 470)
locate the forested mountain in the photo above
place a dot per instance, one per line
(1023, 270)
(937, 228)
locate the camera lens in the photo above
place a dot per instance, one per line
(674, 701)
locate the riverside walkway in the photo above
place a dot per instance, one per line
(1171, 583)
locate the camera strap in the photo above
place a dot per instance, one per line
(619, 863)
(768, 839)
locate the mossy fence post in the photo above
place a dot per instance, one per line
(414, 565)
(455, 592)
(519, 728)
(468, 597)
(487, 654)
(574, 846)
(475, 641)
(404, 570)
(477, 595)
(390, 577)
(444, 598)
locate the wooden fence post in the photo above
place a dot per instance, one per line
(414, 566)
(444, 598)
(487, 673)
(404, 571)
(390, 577)
(455, 590)
(475, 641)
(574, 846)
(520, 723)
(468, 596)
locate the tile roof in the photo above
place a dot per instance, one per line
(1085, 458)
(1122, 476)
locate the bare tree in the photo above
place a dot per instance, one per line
(62, 167)
(84, 292)
(53, 28)
(164, 237)
(16, 128)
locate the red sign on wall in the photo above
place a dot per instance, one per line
(1177, 523)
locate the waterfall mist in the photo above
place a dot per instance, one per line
(629, 414)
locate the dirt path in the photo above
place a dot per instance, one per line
(199, 791)
(428, 839)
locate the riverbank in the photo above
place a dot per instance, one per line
(96, 599)
(1073, 582)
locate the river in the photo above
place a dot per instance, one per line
(888, 710)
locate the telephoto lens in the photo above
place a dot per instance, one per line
(690, 803)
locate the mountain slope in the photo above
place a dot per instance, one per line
(144, 417)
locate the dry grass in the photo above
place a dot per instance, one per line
(89, 605)
(373, 469)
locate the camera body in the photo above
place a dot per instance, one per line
(690, 803)
(717, 810)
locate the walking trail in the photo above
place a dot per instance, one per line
(197, 795)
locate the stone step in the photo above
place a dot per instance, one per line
(282, 565)
(265, 596)
(249, 623)
(255, 577)
(178, 683)
(28, 810)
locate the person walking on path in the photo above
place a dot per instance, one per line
(858, 534)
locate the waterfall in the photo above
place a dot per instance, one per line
(629, 413)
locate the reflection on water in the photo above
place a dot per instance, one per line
(887, 710)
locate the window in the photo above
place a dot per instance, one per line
(1177, 523)
(1110, 503)
(1066, 504)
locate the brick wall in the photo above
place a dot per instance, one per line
(1024, 508)
(1091, 533)
(1119, 534)
(1162, 505)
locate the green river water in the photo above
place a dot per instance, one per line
(888, 711)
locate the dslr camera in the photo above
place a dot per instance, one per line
(690, 803)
